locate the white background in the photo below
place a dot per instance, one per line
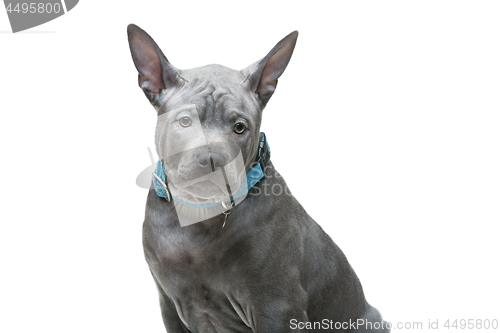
(386, 126)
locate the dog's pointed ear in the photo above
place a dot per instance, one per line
(262, 76)
(156, 74)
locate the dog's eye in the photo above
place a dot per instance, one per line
(185, 121)
(239, 128)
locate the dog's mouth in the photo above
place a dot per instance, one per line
(195, 183)
(215, 187)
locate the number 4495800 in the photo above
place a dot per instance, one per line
(472, 324)
(34, 7)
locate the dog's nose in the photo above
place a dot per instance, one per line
(207, 159)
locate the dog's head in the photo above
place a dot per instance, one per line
(208, 117)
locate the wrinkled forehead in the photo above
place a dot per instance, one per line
(214, 90)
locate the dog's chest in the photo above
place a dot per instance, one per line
(199, 275)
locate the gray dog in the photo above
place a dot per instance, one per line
(226, 254)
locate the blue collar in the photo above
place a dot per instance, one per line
(253, 176)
